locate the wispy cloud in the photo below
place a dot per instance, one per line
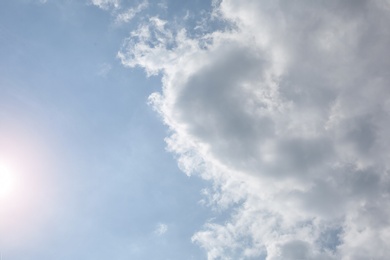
(129, 14)
(161, 229)
(106, 4)
(163, 5)
(119, 11)
(287, 112)
(104, 69)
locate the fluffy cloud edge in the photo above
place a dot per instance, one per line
(283, 118)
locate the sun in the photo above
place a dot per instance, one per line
(7, 181)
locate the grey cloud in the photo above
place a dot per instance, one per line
(295, 250)
(287, 113)
(209, 101)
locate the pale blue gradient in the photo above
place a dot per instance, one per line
(114, 182)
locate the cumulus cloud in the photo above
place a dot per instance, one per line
(286, 111)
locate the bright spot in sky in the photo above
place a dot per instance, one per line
(7, 181)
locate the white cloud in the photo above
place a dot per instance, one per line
(130, 13)
(106, 4)
(287, 113)
(161, 229)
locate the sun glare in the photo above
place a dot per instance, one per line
(7, 181)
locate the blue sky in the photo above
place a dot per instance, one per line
(111, 181)
(232, 129)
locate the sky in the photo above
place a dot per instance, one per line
(221, 129)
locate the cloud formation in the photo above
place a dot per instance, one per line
(286, 112)
(129, 14)
(106, 4)
(161, 229)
